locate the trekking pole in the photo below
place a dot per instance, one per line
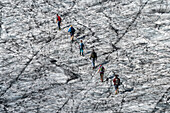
(97, 71)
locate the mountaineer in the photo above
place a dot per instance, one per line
(81, 46)
(101, 71)
(116, 82)
(93, 57)
(72, 31)
(58, 21)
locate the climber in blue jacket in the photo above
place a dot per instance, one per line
(72, 31)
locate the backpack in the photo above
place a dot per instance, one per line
(117, 81)
(93, 54)
(81, 45)
(72, 30)
(59, 18)
(101, 69)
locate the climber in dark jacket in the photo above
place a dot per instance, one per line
(93, 57)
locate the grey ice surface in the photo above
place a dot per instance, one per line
(41, 71)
